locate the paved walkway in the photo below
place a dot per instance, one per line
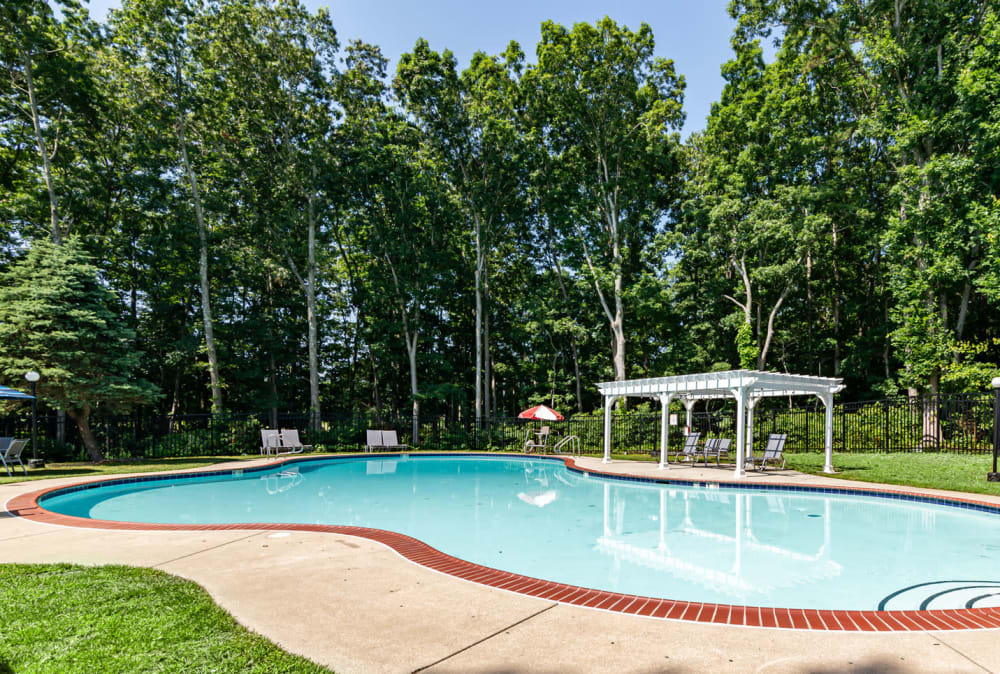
(357, 606)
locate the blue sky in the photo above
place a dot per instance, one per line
(694, 33)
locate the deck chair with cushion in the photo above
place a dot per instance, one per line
(689, 450)
(772, 452)
(289, 442)
(13, 453)
(269, 441)
(540, 441)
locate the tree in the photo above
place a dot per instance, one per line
(58, 319)
(46, 63)
(609, 111)
(162, 44)
(469, 123)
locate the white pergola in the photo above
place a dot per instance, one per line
(746, 386)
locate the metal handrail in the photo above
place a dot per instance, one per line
(571, 440)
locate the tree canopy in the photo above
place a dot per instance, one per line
(228, 209)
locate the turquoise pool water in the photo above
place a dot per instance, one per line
(535, 517)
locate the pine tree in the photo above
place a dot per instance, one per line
(56, 317)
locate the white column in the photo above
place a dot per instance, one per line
(665, 399)
(751, 403)
(608, 402)
(827, 399)
(688, 408)
(741, 432)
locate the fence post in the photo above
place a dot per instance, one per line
(994, 476)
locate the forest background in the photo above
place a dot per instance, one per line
(210, 206)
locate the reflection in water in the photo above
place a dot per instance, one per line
(538, 497)
(708, 537)
(277, 483)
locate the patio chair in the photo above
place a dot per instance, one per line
(289, 442)
(706, 450)
(689, 449)
(772, 452)
(722, 447)
(12, 454)
(373, 441)
(391, 441)
(269, 441)
(539, 442)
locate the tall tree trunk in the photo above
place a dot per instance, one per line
(487, 364)
(479, 318)
(82, 418)
(310, 290)
(206, 305)
(572, 339)
(29, 77)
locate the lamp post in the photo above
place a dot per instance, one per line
(33, 378)
(994, 476)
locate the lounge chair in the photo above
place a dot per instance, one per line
(689, 449)
(289, 442)
(13, 453)
(722, 447)
(269, 441)
(772, 452)
(379, 440)
(539, 442)
(390, 441)
(707, 449)
(373, 441)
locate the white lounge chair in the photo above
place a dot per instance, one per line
(373, 441)
(382, 440)
(13, 453)
(269, 441)
(289, 442)
(772, 452)
(390, 441)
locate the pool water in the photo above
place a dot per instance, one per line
(537, 518)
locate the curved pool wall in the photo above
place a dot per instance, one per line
(682, 543)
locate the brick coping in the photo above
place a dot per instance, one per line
(27, 505)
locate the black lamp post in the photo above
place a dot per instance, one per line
(994, 476)
(33, 378)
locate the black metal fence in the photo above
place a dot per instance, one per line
(957, 423)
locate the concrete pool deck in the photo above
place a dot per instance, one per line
(358, 606)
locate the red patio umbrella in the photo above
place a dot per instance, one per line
(542, 413)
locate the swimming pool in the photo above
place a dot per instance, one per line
(538, 518)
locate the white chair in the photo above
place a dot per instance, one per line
(269, 441)
(373, 441)
(289, 442)
(772, 453)
(13, 453)
(390, 441)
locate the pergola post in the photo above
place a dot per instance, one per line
(751, 403)
(665, 399)
(827, 399)
(608, 402)
(741, 432)
(689, 409)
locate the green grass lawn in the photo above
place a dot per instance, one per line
(65, 618)
(957, 472)
(113, 467)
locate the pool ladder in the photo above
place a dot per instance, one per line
(570, 441)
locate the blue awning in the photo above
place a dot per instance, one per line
(11, 393)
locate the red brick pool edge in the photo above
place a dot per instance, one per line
(26, 506)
